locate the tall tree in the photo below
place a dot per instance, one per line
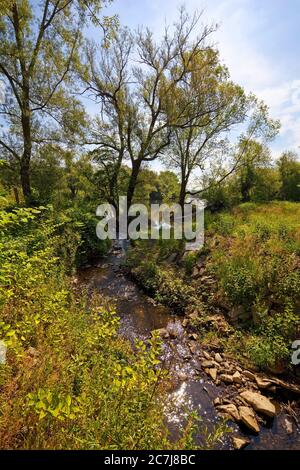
(38, 53)
(256, 156)
(289, 169)
(224, 105)
(135, 81)
(249, 149)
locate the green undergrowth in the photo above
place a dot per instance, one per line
(69, 381)
(253, 253)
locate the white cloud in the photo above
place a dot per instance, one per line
(284, 103)
(244, 25)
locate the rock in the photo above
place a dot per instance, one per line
(262, 383)
(183, 377)
(247, 417)
(227, 401)
(226, 378)
(195, 272)
(213, 373)
(162, 332)
(193, 347)
(207, 364)
(196, 364)
(218, 358)
(287, 386)
(231, 410)
(193, 336)
(240, 442)
(249, 375)
(260, 403)
(217, 401)
(288, 425)
(206, 355)
(237, 378)
(218, 322)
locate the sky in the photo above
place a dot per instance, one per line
(258, 40)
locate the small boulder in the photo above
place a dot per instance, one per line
(193, 347)
(213, 373)
(206, 355)
(240, 442)
(237, 378)
(262, 383)
(231, 410)
(195, 272)
(207, 364)
(218, 357)
(226, 378)
(247, 417)
(217, 401)
(288, 425)
(193, 336)
(175, 329)
(260, 403)
(172, 258)
(249, 375)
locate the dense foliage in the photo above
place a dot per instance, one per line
(252, 252)
(92, 393)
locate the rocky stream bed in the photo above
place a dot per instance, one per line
(258, 408)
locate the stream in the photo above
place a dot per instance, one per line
(191, 389)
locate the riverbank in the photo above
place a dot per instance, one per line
(203, 379)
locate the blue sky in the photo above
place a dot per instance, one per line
(258, 40)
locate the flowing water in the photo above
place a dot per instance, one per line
(191, 389)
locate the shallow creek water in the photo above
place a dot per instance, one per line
(191, 388)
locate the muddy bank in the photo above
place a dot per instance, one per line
(192, 385)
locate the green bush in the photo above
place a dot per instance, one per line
(70, 382)
(240, 283)
(174, 292)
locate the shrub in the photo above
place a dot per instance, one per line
(240, 283)
(69, 381)
(174, 292)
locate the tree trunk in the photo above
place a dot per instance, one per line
(16, 193)
(132, 181)
(27, 149)
(182, 194)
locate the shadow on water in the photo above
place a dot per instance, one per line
(190, 388)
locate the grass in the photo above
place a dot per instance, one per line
(253, 252)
